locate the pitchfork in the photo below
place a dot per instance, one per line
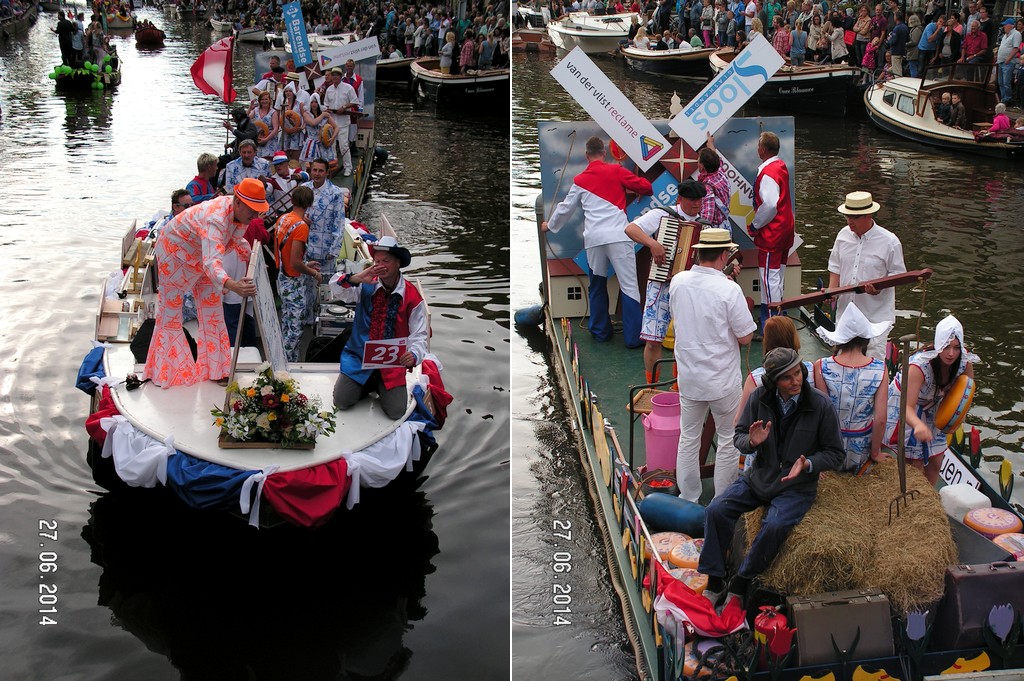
(901, 426)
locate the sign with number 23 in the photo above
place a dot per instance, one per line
(383, 354)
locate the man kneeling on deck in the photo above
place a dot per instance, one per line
(387, 308)
(795, 432)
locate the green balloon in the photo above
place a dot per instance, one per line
(87, 64)
(107, 69)
(106, 58)
(99, 86)
(53, 76)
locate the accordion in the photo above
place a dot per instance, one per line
(677, 237)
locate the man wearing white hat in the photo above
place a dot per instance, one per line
(864, 251)
(340, 99)
(712, 321)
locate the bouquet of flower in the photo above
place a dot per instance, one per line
(272, 409)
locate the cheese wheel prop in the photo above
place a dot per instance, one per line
(684, 555)
(992, 522)
(1012, 542)
(690, 578)
(953, 407)
(665, 542)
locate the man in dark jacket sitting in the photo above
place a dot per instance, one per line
(795, 432)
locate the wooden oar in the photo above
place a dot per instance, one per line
(904, 496)
(884, 282)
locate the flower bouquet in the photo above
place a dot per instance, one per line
(271, 411)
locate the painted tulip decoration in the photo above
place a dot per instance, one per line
(1002, 631)
(915, 639)
(975, 447)
(780, 647)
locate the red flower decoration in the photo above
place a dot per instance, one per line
(270, 401)
(237, 406)
(780, 641)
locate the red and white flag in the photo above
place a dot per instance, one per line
(212, 71)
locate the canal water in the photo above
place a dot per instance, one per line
(957, 214)
(412, 587)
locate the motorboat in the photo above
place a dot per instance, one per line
(683, 61)
(591, 33)
(222, 26)
(484, 86)
(907, 107)
(394, 70)
(149, 36)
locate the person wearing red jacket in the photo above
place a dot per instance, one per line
(601, 191)
(773, 227)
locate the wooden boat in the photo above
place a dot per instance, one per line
(532, 40)
(117, 22)
(597, 380)
(822, 89)
(366, 449)
(394, 70)
(149, 36)
(253, 34)
(191, 12)
(19, 23)
(591, 33)
(81, 79)
(685, 61)
(475, 87)
(906, 107)
(221, 26)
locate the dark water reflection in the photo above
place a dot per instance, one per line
(77, 169)
(956, 214)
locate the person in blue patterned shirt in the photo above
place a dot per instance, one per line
(246, 165)
(326, 220)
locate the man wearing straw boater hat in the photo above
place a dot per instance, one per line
(712, 321)
(795, 432)
(864, 251)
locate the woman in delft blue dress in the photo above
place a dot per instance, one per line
(856, 384)
(266, 114)
(291, 115)
(313, 147)
(932, 372)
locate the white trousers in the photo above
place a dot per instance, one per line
(692, 414)
(622, 258)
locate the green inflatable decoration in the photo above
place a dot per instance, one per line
(106, 58)
(53, 76)
(107, 69)
(87, 65)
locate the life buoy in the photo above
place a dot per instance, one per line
(953, 407)
(292, 121)
(326, 133)
(263, 128)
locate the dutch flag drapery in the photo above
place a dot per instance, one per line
(212, 71)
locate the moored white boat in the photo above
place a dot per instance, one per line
(221, 26)
(394, 70)
(120, 21)
(822, 89)
(591, 33)
(253, 34)
(683, 61)
(906, 107)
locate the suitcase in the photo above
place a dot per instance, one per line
(971, 591)
(838, 614)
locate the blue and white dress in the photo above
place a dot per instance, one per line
(273, 144)
(313, 146)
(852, 391)
(927, 402)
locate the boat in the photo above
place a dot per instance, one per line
(116, 22)
(591, 33)
(253, 34)
(49, 6)
(684, 61)
(89, 76)
(149, 36)
(906, 107)
(394, 70)
(534, 17)
(605, 393)
(532, 40)
(220, 26)
(173, 429)
(190, 12)
(19, 23)
(821, 89)
(488, 86)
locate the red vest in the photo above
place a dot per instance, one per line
(777, 236)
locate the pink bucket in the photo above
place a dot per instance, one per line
(661, 431)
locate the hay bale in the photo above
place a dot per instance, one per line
(845, 542)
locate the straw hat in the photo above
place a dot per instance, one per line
(715, 238)
(858, 203)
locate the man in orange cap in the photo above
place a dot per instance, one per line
(190, 257)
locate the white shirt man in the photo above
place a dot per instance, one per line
(864, 251)
(338, 98)
(748, 15)
(712, 321)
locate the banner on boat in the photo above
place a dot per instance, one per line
(357, 51)
(296, 27)
(730, 90)
(616, 115)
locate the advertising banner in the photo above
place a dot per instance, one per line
(296, 27)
